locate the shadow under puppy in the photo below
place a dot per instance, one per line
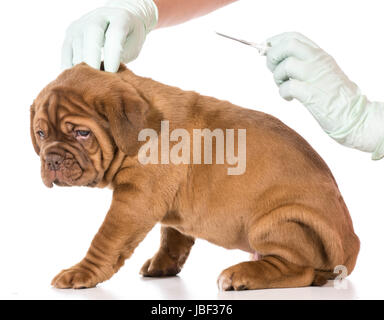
(286, 206)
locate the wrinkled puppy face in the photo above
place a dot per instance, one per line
(69, 151)
(79, 122)
(70, 141)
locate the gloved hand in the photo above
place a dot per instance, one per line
(307, 73)
(120, 28)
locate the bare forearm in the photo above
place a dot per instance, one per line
(172, 12)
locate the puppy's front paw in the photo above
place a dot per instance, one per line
(161, 265)
(75, 278)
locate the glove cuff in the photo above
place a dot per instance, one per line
(376, 123)
(353, 117)
(364, 129)
(146, 10)
(379, 152)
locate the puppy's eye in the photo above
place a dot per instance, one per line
(41, 134)
(82, 134)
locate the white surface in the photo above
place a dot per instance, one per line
(43, 231)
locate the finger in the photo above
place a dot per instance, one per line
(67, 54)
(288, 48)
(291, 35)
(295, 89)
(115, 39)
(93, 43)
(77, 47)
(290, 68)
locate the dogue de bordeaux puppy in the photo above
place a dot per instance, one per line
(286, 206)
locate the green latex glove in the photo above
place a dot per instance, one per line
(305, 72)
(120, 28)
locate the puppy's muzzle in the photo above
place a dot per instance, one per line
(60, 167)
(54, 161)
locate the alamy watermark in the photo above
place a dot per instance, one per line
(202, 143)
(342, 273)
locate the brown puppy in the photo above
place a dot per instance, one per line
(286, 206)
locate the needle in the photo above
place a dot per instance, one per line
(261, 47)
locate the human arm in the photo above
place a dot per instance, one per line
(172, 12)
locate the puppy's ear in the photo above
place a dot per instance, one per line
(126, 113)
(32, 131)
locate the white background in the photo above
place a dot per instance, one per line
(45, 230)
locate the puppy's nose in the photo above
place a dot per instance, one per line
(53, 161)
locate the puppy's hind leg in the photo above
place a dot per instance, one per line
(269, 272)
(173, 252)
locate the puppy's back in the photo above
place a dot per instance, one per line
(284, 170)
